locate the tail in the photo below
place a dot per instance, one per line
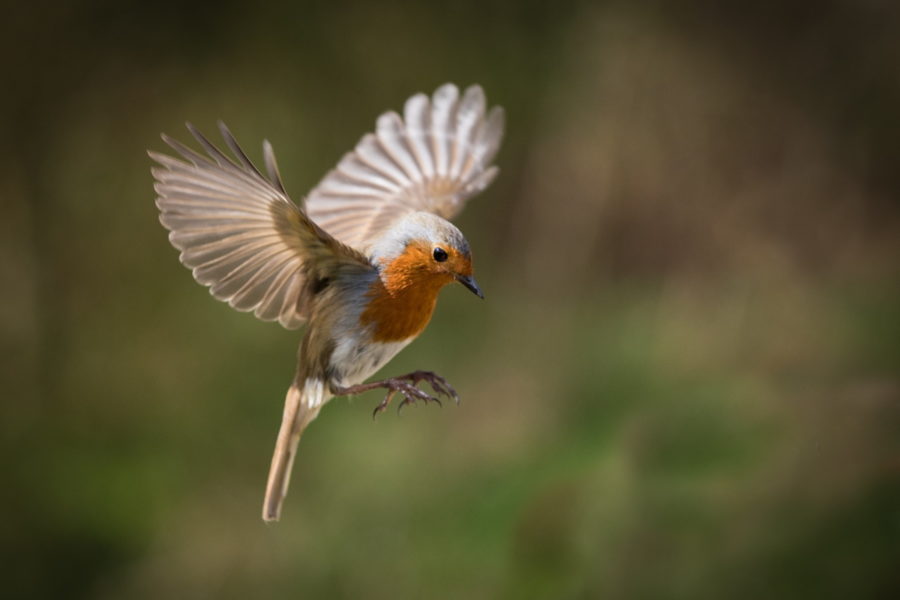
(302, 404)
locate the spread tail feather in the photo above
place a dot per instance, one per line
(302, 404)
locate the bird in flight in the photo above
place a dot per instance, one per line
(360, 261)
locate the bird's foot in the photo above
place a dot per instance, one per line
(408, 390)
(440, 385)
(405, 385)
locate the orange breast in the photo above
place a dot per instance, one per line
(402, 301)
(398, 316)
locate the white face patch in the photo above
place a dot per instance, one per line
(417, 226)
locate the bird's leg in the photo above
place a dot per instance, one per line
(405, 385)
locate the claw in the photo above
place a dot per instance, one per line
(445, 389)
(411, 393)
(384, 403)
(437, 383)
(426, 399)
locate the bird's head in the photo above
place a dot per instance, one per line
(422, 249)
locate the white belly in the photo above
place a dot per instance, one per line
(355, 359)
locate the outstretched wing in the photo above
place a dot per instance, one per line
(239, 232)
(433, 159)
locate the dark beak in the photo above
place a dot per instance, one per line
(469, 282)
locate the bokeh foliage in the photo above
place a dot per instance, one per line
(683, 383)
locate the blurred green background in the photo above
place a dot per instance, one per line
(683, 382)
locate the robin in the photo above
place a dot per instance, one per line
(361, 262)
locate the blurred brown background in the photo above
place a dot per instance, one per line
(683, 383)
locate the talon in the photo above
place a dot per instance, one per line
(411, 394)
(440, 385)
(384, 403)
(407, 399)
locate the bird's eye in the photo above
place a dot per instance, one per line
(440, 254)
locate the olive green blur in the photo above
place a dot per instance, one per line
(684, 382)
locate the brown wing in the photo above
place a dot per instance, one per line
(240, 234)
(433, 159)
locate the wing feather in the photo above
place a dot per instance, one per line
(240, 234)
(418, 128)
(434, 158)
(272, 166)
(443, 111)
